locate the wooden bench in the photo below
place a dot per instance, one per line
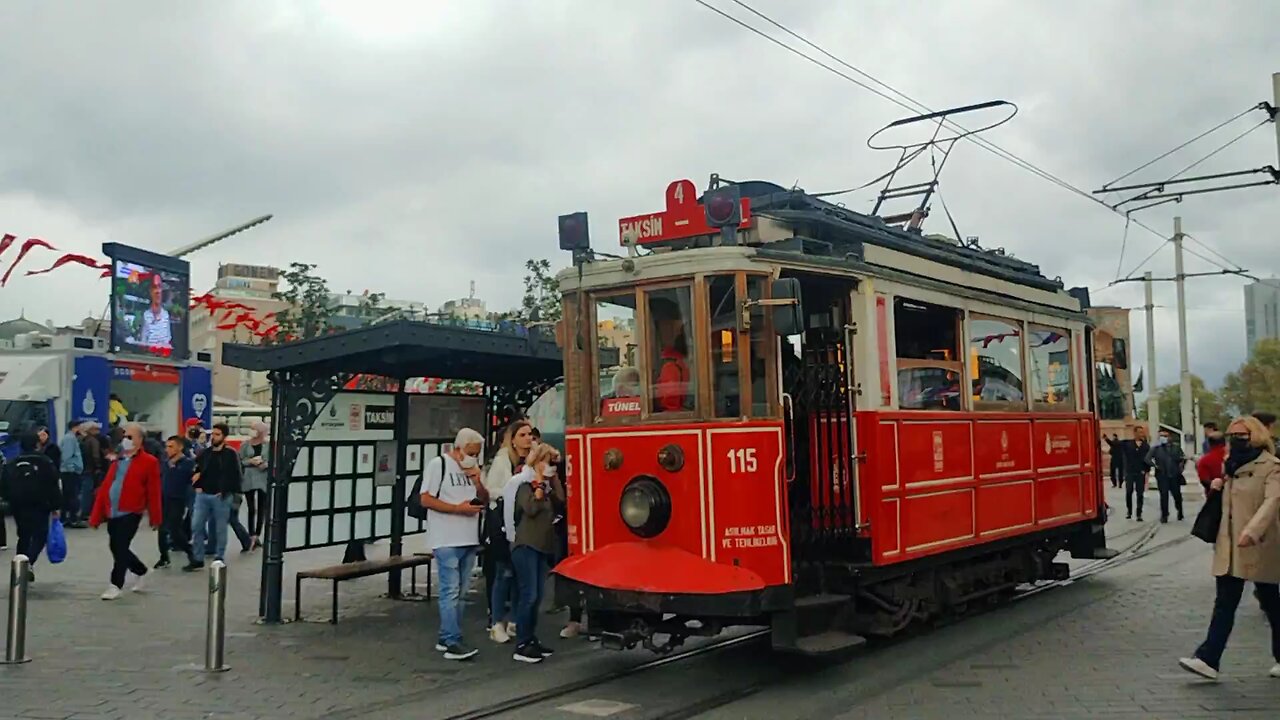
(351, 571)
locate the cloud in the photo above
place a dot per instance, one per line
(414, 147)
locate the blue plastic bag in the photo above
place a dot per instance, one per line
(56, 546)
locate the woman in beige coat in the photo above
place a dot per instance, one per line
(1248, 544)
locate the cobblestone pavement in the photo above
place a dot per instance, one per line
(1106, 646)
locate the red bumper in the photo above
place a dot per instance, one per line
(650, 568)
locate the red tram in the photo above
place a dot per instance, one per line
(818, 423)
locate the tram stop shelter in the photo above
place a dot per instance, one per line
(342, 461)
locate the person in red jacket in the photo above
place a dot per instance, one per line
(132, 486)
(1209, 466)
(671, 388)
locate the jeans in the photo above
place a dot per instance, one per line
(70, 496)
(453, 566)
(1230, 589)
(210, 510)
(1134, 484)
(86, 496)
(33, 531)
(1169, 486)
(172, 534)
(120, 532)
(502, 601)
(531, 573)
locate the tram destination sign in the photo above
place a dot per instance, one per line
(684, 217)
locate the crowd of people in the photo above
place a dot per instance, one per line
(511, 519)
(189, 488)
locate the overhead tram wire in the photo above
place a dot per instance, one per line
(1158, 158)
(980, 142)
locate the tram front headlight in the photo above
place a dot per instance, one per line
(645, 506)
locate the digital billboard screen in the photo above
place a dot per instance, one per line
(150, 294)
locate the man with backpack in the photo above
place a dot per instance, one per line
(31, 485)
(453, 496)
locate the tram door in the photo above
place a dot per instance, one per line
(816, 378)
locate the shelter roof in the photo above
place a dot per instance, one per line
(405, 348)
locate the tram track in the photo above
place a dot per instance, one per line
(1139, 548)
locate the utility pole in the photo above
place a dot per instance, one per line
(1187, 435)
(1153, 398)
(1275, 93)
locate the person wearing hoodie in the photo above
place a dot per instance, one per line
(29, 483)
(132, 486)
(255, 455)
(1209, 466)
(529, 522)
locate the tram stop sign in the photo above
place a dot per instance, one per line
(723, 207)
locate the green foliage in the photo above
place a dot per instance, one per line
(1212, 408)
(1255, 386)
(308, 297)
(541, 292)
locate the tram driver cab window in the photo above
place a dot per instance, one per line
(671, 356)
(930, 371)
(619, 381)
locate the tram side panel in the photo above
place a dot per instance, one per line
(935, 482)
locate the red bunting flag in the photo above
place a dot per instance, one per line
(26, 248)
(72, 258)
(6, 241)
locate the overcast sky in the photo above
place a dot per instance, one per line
(411, 147)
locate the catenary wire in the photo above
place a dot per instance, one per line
(1210, 131)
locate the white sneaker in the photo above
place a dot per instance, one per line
(441, 647)
(511, 629)
(139, 583)
(571, 630)
(112, 593)
(498, 634)
(1275, 671)
(1199, 667)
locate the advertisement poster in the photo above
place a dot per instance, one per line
(384, 465)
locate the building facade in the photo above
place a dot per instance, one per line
(1113, 374)
(1261, 312)
(253, 286)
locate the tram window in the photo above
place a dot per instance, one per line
(764, 349)
(1050, 360)
(619, 383)
(928, 351)
(995, 363)
(723, 346)
(671, 356)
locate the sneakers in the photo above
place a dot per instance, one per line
(498, 633)
(511, 629)
(571, 630)
(458, 651)
(1199, 667)
(1275, 671)
(112, 593)
(543, 649)
(528, 653)
(139, 583)
(193, 567)
(441, 647)
(161, 564)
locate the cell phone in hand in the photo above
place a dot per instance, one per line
(476, 502)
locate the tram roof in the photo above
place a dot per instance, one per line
(792, 225)
(404, 348)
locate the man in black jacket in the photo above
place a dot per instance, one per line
(31, 485)
(1168, 461)
(1134, 459)
(217, 480)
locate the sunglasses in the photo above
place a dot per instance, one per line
(1237, 436)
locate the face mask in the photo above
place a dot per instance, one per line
(126, 445)
(1163, 440)
(1239, 444)
(469, 462)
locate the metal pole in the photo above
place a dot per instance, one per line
(215, 638)
(1153, 398)
(15, 645)
(1275, 93)
(272, 591)
(1188, 434)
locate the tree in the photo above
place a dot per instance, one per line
(541, 292)
(1211, 406)
(307, 294)
(370, 306)
(1255, 386)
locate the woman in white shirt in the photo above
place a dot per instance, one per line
(498, 573)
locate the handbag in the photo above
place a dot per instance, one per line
(56, 544)
(1209, 519)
